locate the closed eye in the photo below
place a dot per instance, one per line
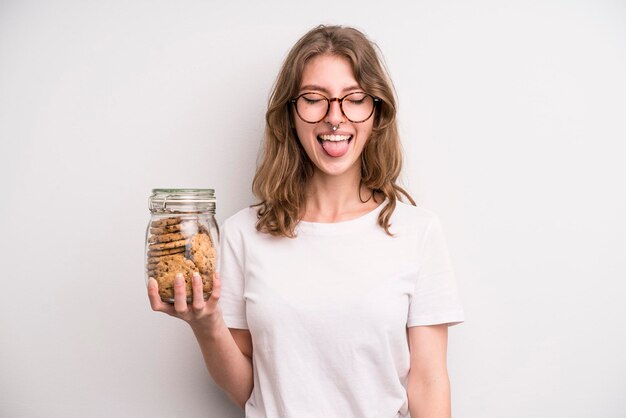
(356, 98)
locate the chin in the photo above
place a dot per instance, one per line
(339, 168)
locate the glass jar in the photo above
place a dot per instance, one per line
(182, 237)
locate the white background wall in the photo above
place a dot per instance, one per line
(512, 117)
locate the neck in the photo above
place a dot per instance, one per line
(336, 198)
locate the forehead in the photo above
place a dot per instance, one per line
(328, 73)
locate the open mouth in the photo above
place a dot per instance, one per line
(335, 145)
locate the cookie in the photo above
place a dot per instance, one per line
(158, 253)
(203, 229)
(168, 229)
(166, 286)
(159, 223)
(165, 273)
(154, 260)
(179, 264)
(202, 253)
(167, 245)
(176, 236)
(207, 283)
(188, 227)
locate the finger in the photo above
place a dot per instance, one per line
(180, 294)
(155, 299)
(216, 291)
(196, 289)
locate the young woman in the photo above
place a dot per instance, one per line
(335, 297)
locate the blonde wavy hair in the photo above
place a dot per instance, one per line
(284, 168)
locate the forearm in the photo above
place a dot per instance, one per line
(430, 397)
(227, 365)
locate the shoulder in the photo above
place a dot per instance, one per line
(240, 222)
(409, 217)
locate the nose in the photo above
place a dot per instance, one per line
(334, 115)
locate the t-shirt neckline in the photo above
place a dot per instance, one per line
(338, 228)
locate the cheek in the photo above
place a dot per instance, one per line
(304, 133)
(365, 132)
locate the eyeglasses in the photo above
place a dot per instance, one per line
(357, 107)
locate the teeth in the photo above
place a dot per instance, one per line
(335, 138)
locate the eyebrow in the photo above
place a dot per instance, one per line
(309, 87)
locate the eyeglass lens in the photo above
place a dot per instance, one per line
(313, 107)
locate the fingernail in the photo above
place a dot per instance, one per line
(152, 283)
(196, 276)
(179, 278)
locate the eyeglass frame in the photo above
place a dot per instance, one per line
(335, 99)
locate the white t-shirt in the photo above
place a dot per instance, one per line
(328, 310)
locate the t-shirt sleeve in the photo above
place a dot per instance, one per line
(435, 298)
(231, 269)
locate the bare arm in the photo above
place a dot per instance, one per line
(428, 385)
(228, 357)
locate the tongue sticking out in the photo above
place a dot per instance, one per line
(335, 148)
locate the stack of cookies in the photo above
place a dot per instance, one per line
(179, 245)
